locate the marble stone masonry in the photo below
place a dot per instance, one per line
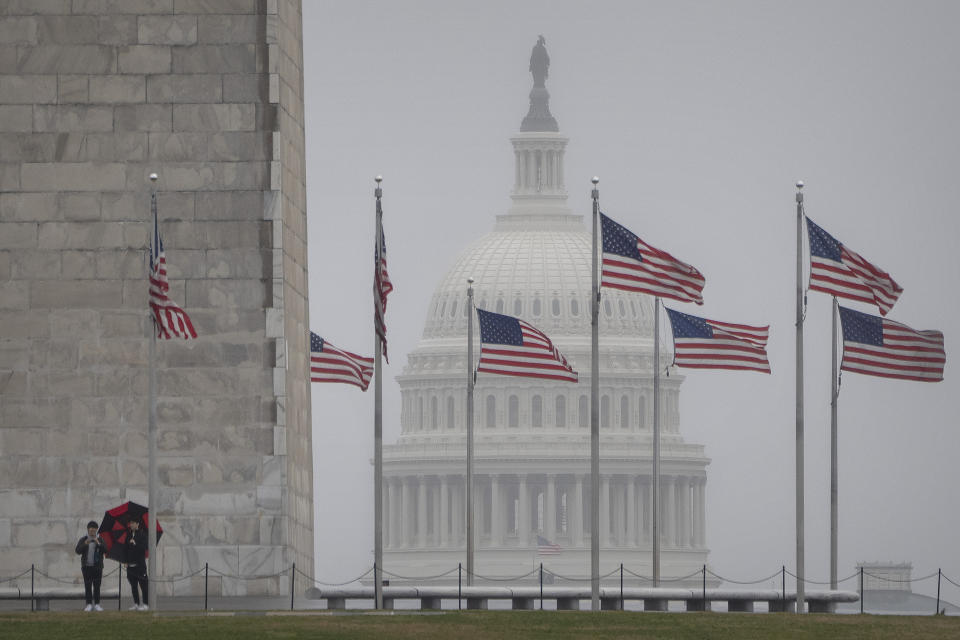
(94, 96)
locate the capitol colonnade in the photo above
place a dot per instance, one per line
(427, 511)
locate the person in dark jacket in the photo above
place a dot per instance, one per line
(91, 550)
(135, 554)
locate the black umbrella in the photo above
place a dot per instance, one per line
(114, 531)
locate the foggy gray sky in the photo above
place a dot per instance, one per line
(698, 117)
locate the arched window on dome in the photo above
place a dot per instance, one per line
(499, 305)
(555, 307)
(536, 307)
(483, 304)
(560, 415)
(434, 414)
(574, 307)
(466, 310)
(420, 423)
(623, 309)
(453, 308)
(536, 411)
(443, 307)
(513, 412)
(624, 412)
(584, 412)
(642, 413)
(518, 307)
(605, 412)
(607, 308)
(633, 307)
(491, 411)
(450, 413)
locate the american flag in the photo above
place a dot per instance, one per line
(547, 548)
(699, 343)
(512, 347)
(168, 318)
(381, 286)
(837, 270)
(879, 347)
(631, 264)
(330, 364)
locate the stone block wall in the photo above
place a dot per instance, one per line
(94, 96)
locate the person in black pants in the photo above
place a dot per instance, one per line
(91, 548)
(135, 550)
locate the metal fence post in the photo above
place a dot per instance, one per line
(31, 587)
(704, 587)
(621, 586)
(459, 585)
(206, 587)
(861, 589)
(783, 583)
(541, 586)
(293, 572)
(939, 573)
(119, 584)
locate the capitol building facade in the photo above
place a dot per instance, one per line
(532, 437)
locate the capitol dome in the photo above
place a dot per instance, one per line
(532, 437)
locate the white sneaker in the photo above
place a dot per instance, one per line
(135, 607)
(97, 607)
(89, 607)
(144, 607)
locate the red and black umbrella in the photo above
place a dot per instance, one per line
(114, 531)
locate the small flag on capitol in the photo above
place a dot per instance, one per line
(699, 343)
(512, 347)
(330, 364)
(631, 264)
(381, 288)
(837, 270)
(168, 318)
(879, 347)
(546, 547)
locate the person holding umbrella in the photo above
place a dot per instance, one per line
(135, 549)
(91, 549)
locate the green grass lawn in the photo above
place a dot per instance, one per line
(474, 624)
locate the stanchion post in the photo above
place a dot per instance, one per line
(31, 587)
(119, 584)
(293, 574)
(621, 586)
(206, 587)
(861, 589)
(459, 585)
(704, 587)
(783, 583)
(541, 586)
(939, 573)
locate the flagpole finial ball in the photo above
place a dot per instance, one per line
(799, 184)
(469, 280)
(379, 179)
(153, 177)
(595, 180)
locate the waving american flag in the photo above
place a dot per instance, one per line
(631, 264)
(512, 347)
(170, 320)
(837, 270)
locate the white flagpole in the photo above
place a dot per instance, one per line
(152, 506)
(377, 424)
(656, 441)
(799, 394)
(470, 384)
(595, 412)
(834, 399)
